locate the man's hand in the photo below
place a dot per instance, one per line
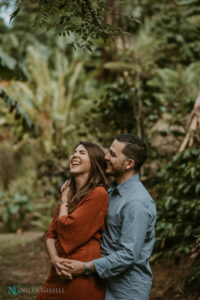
(76, 267)
(62, 270)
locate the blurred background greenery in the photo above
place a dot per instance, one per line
(89, 71)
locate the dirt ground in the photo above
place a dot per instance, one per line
(25, 265)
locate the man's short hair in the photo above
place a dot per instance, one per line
(135, 148)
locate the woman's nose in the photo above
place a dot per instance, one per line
(76, 154)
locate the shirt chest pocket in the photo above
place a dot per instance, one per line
(114, 224)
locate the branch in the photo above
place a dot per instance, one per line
(193, 125)
(93, 14)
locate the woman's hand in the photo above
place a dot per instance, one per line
(65, 191)
(65, 184)
(61, 270)
(64, 201)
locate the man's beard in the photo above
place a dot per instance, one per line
(116, 171)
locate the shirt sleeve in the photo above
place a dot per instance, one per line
(135, 219)
(77, 228)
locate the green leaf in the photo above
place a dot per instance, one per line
(117, 66)
(5, 215)
(14, 208)
(15, 13)
(197, 189)
(7, 61)
(19, 112)
(29, 207)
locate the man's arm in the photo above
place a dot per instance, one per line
(133, 233)
(135, 221)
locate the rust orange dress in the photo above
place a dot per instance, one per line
(78, 236)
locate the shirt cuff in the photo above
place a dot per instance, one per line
(101, 267)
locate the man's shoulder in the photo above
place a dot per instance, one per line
(139, 191)
(138, 196)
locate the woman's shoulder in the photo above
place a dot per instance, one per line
(97, 196)
(98, 191)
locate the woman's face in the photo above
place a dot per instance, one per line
(80, 161)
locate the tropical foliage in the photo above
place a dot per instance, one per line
(84, 19)
(145, 81)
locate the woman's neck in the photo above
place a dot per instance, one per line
(81, 180)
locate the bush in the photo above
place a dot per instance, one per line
(178, 228)
(17, 202)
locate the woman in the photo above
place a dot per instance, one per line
(77, 226)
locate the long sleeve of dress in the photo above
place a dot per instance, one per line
(52, 232)
(77, 228)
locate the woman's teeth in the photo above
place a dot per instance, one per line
(75, 163)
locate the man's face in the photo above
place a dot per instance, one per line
(115, 159)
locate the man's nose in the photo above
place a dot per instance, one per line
(107, 156)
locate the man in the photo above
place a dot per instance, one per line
(129, 236)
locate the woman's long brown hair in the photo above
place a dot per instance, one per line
(96, 177)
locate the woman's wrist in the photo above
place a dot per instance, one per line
(63, 209)
(63, 201)
(53, 258)
(64, 204)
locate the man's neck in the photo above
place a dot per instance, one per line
(124, 177)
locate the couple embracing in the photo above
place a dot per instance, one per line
(100, 239)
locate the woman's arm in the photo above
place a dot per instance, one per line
(56, 261)
(51, 249)
(65, 200)
(81, 225)
(50, 239)
(52, 230)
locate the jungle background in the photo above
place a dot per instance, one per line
(89, 70)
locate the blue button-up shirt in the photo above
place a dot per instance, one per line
(127, 242)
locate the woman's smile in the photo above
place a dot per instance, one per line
(75, 162)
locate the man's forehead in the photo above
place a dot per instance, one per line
(117, 146)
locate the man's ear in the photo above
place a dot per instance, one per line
(130, 163)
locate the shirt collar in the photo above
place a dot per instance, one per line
(122, 187)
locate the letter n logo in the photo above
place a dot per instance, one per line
(15, 290)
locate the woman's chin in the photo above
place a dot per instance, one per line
(74, 172)
(77, 172)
